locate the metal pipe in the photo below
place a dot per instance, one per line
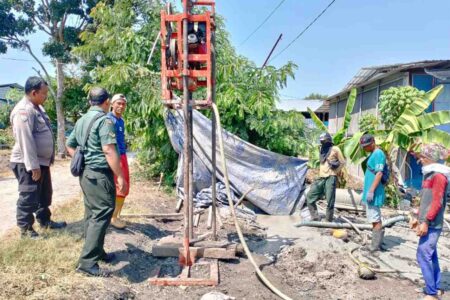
(387, 223)
(186, 140)
(213, 135)
(191, 171)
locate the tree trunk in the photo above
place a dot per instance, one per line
(61, 140)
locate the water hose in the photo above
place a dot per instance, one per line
(362, 264)
(358, 231)
(233, 213)
(387, 223)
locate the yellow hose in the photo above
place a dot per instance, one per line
(233, 213)
(363, 264)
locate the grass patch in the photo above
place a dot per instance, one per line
(43, 269)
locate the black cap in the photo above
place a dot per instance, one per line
(366, 140)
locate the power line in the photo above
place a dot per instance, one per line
(22, 59)
(304, 30)
(263, 22)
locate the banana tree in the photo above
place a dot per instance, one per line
(412, 128)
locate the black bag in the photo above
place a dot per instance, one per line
(77, 163)
(334, 165)
(386, 174)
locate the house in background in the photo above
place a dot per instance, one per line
(4, 89)
(320, 107)
(371, 81)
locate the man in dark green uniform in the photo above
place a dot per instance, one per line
(102, 162)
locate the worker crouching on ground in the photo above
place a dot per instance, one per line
(331, 163)
(373, 194)
(118, 106)
(101, 163)
(431, 215)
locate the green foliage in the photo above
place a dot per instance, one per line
(5, 111)
(6, 138)
(368, 123)
(316, 96)
(284, 133)
(410, 128)
(12, 26)
(14, 95)
(61, 20)
(115, 55)
(341, 133)
(247, 95)
(393, 102)
(75, 98)
(317, 121)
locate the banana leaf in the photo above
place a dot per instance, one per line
(403, 141)
(352, 150)
(347, 117)
(433, 119)
(317, 121)
(434, 135)
(418, 107)
(351, 145)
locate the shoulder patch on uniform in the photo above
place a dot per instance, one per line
(112, 134)
(108, 121)
(23, 115)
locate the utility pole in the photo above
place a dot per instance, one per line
(271, 51)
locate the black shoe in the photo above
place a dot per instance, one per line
(108, 258)
(53, 225)
(93, 271)
(29, 233)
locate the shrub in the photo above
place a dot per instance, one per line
(6, 138)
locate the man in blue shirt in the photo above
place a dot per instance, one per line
(374, 194)
(118, 105)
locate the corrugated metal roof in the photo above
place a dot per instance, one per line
(302, 105)
(368, 75)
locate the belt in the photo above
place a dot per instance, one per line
(100, 170)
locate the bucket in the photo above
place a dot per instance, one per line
(305, 215)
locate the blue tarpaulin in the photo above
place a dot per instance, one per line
(277, 181)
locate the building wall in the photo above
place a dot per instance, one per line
(366, 102)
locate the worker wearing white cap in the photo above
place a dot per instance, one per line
(118, 106)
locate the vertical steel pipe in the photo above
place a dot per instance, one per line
(191, 170)
(213, 134)
(186, 150)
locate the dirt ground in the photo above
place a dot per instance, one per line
(65, 188)
(304, 263)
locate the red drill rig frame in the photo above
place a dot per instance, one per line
(200, 56)
(187, 64)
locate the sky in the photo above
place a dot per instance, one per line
(350, 35)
